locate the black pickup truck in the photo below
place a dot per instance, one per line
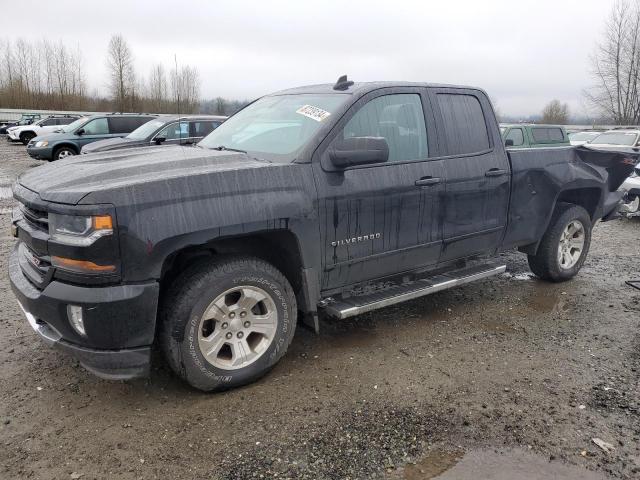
(324, 200)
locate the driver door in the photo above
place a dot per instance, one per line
(381, 219)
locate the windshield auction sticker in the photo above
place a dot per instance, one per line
(313, 113)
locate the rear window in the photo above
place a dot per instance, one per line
(126, 124)
(464, 125)
(547, 134)
(65, 121)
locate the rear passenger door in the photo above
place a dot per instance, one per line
(198, 129)
(477, 171)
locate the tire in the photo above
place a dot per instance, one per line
(550, 263)
(187, 331)
(63, 152)
(26, 137)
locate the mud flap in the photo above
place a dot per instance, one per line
(611, 205)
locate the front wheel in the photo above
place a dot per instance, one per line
(26, 137)
(63, 152)
(564, 245)
(227, 322)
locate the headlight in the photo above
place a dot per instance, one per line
(78, 229)
(42, 144)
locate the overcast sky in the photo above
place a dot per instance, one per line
(523, 53)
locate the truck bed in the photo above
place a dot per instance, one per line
(541, 175)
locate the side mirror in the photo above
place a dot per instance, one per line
(80, 131)
(160, 140)
(508, 142)
(359, 151)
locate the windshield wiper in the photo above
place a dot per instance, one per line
(220, 148)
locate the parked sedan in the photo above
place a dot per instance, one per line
(165, 130)
(617, 139)
(580, 138)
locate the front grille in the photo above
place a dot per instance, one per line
(36, 268)
(36, 218)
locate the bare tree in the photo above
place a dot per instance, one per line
(185, 89)
(556, 113)
(121, 72)
(616, 66)
(221, 106)
(158, 89)
(50, 75)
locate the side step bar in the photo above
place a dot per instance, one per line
(356, 305)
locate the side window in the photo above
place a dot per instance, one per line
(464, 124)
(135, 122)
(547, 135)
(203, 128)
(48, 122)
(99, 126)
(65, 121)
(515, 134)
(175, 131)
(123, 124)
(399, 119)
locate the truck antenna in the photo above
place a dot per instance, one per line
(177, 86)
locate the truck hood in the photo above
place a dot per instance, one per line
(68, 181)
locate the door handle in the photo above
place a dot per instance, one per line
(427, 181)
(495, 172)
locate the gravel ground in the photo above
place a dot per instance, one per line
(405, 392)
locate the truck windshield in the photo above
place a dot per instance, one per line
(73, 125)
(146, 129)
(615, 138)
(275, 127)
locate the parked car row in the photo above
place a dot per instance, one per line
(24, 133)
(60, 136)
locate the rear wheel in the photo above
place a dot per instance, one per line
(63, 152)
(564, 246)
(26, 137)
(227, 322)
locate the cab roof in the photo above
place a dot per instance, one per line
(361, 88)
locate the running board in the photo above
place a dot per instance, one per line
(348, 307)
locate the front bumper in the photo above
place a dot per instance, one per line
(40, 153)
(119, 321)
(12, 135)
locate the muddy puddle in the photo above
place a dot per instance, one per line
(508, 464)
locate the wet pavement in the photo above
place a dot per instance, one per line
(510, 377)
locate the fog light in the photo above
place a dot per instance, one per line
(74, 312)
